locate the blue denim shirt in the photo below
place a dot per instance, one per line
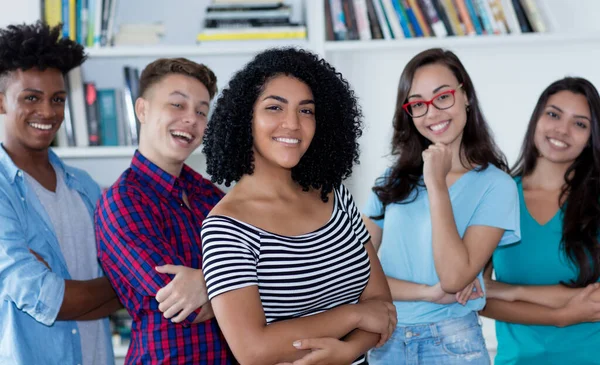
(30, 294)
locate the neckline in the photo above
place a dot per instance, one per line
(526, 208)
(303, 235)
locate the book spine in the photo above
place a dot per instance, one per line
(465, 17)
(338, 19)
(376, 27)
(362, 20)
(93, 119)
(474, 18)
(383, 21)
(414, 6)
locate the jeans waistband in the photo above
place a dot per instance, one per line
(438, 329)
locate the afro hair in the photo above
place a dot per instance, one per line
(27, 46)
(228, 142)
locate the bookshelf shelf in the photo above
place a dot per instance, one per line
(216, 49)
(463, 41)
(95, 152)
(100, 152)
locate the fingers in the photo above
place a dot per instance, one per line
(479, 290)
(168, 302)
(173, 310)
(589, 290)
(392, 321)
(164, 292)
(169, 269)
(185, 312)
(464, 294)
(310, 343)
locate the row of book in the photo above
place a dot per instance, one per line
(250, 20)
(100, 117)
(88, 22)
(397, 19)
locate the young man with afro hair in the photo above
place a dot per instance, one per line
(54, 299)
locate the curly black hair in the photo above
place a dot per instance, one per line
(228, 139)
(37, 45)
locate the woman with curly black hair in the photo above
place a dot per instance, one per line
(289, 267)
(52, 292)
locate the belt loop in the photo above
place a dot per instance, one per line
(433, 327)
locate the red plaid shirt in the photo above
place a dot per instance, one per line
(142, 222)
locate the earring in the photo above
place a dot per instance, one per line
(468, 108)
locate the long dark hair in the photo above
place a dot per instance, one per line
(579, 198)
(477, 145)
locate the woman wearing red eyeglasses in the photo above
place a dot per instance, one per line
(438, 214)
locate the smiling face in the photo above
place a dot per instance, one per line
(564, 127)
(34, 104)
(436, 83)
(173, 114)
(283, 123)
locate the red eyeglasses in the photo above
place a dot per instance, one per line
(441, 101)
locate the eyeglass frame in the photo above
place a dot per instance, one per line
(405, 106)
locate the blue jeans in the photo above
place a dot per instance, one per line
(454, 341)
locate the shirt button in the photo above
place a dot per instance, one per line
(22, 198)
(409, 334)
(20, 173)
(74, 331)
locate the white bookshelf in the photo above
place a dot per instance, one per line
(481, 41)
(100, 152)
(204, 50)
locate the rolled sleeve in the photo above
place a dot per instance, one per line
(24, 280)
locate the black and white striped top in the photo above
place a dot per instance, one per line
(296, 276)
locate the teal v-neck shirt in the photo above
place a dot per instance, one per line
(539, 260)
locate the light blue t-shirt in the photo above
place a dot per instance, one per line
(539, 259)
(479, 197)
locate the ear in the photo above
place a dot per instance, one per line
(140, 109)
(2, 100)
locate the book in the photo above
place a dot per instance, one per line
(77, 102)
(362, 20)
(420, 18)
(534, 15)
(109, 121)
(223, 34)
(475, 19)
(383, 19)
(393, 19)
(463, 12)
(92, 113)
(376, 30)
(338, 20)
(433, 19)
(511, 17)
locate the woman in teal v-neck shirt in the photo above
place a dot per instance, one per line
(546, 297)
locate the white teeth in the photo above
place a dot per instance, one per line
(44, 127)
(439, 126)
(558, 143)
(288, 140)
(182, 134)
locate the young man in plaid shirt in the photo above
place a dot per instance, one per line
(151, 217)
